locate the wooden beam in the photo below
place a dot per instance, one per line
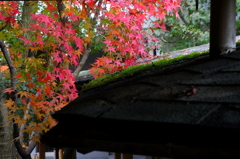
(41, 151)
(117, 155)
(154, 157)
(222, 27)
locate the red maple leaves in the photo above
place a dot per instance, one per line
(46, 78)
(126, 37)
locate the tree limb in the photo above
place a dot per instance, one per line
(26, 19)
(13, 70)
(183, 18)
(32, 144)
(88, 50)
(82, 62)
(14, 82)
(98, 11)
(61, 8)
(23, 125)
(17, 143)
(4, 27)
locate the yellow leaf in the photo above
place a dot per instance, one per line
(67, 6)
(83, 15)
(40, 116)
(27, 116)
(87, 26)
(54, 84)
(66, 60)
(22, 94)
(33, 48)
(19, 121)
(87, 39)
(35, 139)
(90, 33)
(17, 138)
(9, 103)
(22, 107)
(78, 52)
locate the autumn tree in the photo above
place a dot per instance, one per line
(39, 40)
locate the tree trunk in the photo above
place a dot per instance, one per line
(28, 9)
(7, 149)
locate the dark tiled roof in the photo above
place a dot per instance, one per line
(193, 106)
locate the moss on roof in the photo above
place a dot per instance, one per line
(133, 70)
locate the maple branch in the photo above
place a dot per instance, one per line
(4, 27)
(32, 144)
(183, 18)
(187, 3)
(98, 11)
(26, 19)
(87, 50)
(61, 8)
(75, 24)
(25, 119)
(17, 143)
(12, 69)
(14, 82)
(83, 61)
(87, 9)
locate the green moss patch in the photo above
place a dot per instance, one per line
(133, 70)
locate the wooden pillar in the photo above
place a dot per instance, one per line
(222, 27)
(117, 155)
(69, 153)
(127, 156)
(74, 154)
(41, 151)
(60, 153)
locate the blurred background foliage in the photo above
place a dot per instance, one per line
(191, 28)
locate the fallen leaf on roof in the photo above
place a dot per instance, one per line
(188, 92)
